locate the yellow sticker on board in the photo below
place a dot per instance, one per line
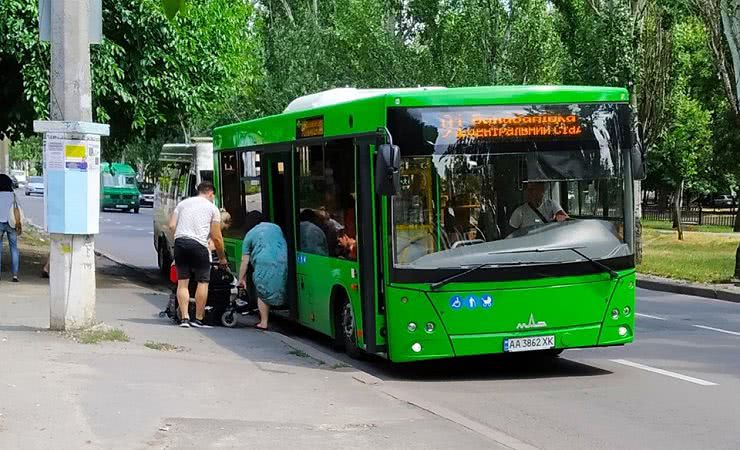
(75, 151)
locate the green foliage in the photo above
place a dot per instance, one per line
(150, 75)
(26, 149)
(686, 144)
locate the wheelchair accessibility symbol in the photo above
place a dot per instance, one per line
(456, 302)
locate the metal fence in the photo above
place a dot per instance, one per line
(693, 216)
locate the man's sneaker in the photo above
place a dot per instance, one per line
(184, 323)
(199, 324)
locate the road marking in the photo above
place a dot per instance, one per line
(664, 372)
(649, 316)
(718, 329)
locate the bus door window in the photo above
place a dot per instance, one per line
(327, 188)
(233, 192)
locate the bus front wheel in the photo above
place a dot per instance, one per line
(346, 332)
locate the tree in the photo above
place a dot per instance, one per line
(150, 75)
(604, 40)
(686, 144)
(722, 19)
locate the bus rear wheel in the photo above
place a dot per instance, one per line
(345, 329)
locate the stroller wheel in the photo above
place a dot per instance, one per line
(228, 319)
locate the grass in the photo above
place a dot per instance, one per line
(667, 225)
(299, 353)
(162, 346)
(98, 334)
(699, 257)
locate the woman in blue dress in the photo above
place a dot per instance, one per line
(265, 247)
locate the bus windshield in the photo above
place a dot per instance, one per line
(505, 185)
(119, 180)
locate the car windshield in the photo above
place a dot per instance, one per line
(119, 180)
(508, 185)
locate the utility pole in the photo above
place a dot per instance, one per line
(5, 155)
(71, 164)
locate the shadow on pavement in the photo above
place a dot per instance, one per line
(489, 367)
(492, 367)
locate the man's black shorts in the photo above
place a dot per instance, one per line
(192, 260)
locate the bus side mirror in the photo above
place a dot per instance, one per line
(387, 169)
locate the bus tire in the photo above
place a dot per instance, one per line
(164, 260)
(136, 210)
(345, 333)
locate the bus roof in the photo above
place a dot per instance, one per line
(119, 168)
(352, 111)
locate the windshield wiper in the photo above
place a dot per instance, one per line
(612, 273)
(442, 282)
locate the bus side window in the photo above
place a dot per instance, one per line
(327, 199)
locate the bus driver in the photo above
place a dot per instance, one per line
(537, 209)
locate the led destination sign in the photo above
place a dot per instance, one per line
(481, 127)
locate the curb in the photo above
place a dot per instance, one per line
(676, 287)
(328, 359)
(110, 258)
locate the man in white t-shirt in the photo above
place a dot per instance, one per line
(537, 209)
(195, 221)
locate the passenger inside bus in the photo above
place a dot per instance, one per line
(537, 209)
(312, 237)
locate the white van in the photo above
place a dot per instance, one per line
(183, 167)
(20, 177)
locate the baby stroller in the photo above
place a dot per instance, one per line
(225, 300)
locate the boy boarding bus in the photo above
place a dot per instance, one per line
(433, 223)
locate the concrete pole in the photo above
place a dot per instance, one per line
(72, 263)
(5, 155)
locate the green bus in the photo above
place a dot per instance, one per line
(433, 223)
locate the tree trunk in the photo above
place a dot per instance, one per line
(736, 228)
(730, 13)
(677, 208)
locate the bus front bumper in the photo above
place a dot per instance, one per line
(492, 343)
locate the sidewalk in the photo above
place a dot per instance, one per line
(719, 291)
(222, 388)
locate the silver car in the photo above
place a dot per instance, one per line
(35, 185)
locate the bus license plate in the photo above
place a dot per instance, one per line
(529, 343)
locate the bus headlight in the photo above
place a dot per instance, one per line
(411, 327)
(622, 331)
(416, 347)
(615, 314)
(626, 310)
(429, 327)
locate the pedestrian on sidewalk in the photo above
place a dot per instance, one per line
(8, 204)
(195, 221)
(265, 247)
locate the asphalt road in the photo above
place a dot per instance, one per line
(676, 387)
(127, 237)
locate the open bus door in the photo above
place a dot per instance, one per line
(276, 169)
(370, 245)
